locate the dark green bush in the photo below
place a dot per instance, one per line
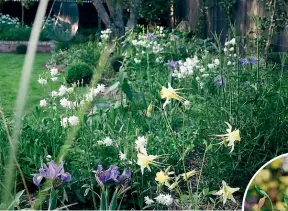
(21, 49)
(116, 62)
(79, 71)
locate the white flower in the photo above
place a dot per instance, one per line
(70, 90)
(64, 102)
(211, 66)
(187, 104)
(101, 88)
(165, 199)
(42, 81)
(89, 97)
(148, 201)
(235, 55)
(54, 71)
(233, 41)
(229, 63)
(54, 94)
(100, 142)
(107, 141)
(54, 79)
(225, 50)
(43, 103)
(64, 122)
(122, 156)
(231, 49)
(137, 61)
(62, 90)
(217, 62)
(73, 120)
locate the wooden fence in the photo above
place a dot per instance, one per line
(242, 11)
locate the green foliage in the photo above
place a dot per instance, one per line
(21, 49)
(79, 72)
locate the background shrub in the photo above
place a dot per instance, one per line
(21, 49)
(79, 71)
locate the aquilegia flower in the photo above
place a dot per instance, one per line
(226, 192)
(173, 64)
(162, 177)
(148, 201)
(170, 93)
(230, 136)
(150, 35)
(165, 199)
(144, 161)
(53, 172)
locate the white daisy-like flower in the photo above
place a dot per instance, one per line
(54, 71)
(64, 122)
(137, 61)
(165, 199)
(64, 102)
(217, 62)
(43, 103)
(89, 97)
(229, 63)
(148, 201)
(211, 66)
(231, 49)
(101, 88)
(187, 104)
(62, 90)
(108, 141)
(233, 41)
(42, 81)
(73, 120)
(122, 156)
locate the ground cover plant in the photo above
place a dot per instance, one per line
(181, 123)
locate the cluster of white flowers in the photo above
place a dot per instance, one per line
(72, 121)
(93, 92)
(105, 34)
(151, 45)
(42, 81)
(7, 19)
(43, 103)
(54, 73)
(140, 145)
(215, 63)
(229, 50)
(165, 199)
(187, 67)
(107, 141)
(160, 31)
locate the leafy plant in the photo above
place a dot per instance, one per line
(79, 72)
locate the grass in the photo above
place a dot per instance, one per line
(10, 68)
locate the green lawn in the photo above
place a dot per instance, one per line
(10, 73)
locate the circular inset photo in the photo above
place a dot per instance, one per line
(268, 188)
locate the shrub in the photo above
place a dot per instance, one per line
(116, 62)
(21, 49)
(79, 71)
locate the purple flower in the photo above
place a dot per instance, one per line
(150, 35)
(220, 80)
(53, 172)
(174, 37)
(109, 175)
(243, 61)
(253, 60)
(124, 178)
(173, 64)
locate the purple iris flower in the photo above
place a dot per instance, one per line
(109, 175)
(124, 178)
(53, 172)
(150, 35)
(220, 80)
(173, 64)
(174, 37)
(243, 61)
(253, 60)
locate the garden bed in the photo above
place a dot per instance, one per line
(10, 46)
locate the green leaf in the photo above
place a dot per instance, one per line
(260, 191)
(113, 203)
(125, 87)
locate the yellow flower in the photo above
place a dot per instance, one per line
(145, 160)
(230, 136)
(284, 179)
(226, 192)
(162, 177)
(280, 205)
(263, 175)
(169, 94)
(149, 110)
(189, 174)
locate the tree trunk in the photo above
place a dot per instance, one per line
(102, 13)
(116, 12)
(134, 10)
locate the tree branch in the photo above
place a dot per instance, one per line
(132, 22)
(102, 13)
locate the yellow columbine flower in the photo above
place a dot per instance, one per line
(226, 192)
(149, 110)
(230, 136)
(276, 163)
(189, 174)
(170, 93)
(162, 177)
(145, 160)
